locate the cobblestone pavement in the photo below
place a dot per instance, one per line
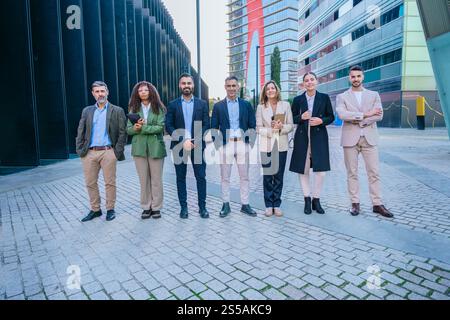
(295, 257)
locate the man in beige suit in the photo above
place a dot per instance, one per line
(361, 109)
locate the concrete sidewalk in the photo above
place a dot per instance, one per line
(46, 250)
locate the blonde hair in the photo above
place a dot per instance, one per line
(264, 98)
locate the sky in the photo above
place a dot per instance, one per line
(214, 54)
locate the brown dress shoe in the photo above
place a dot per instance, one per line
(355, 210)
(381, 210)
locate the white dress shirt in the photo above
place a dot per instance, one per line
(145, 111)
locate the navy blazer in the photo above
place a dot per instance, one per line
(175, 120)
(247, 120)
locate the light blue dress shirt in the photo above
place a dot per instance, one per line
(99, 135)
(233, 113)
(188, 112)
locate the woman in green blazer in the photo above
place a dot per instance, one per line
(148, 148)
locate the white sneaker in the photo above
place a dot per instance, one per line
(278, 212)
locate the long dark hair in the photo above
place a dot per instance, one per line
(155, 100)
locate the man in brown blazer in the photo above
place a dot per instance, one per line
(361, 109)
(100, 143)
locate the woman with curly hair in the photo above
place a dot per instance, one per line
(146, 126)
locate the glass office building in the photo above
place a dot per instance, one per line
(435, 16)
(256, 27)
(53, 50)
(386, 38)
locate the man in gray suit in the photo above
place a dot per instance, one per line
(361, 109)
(100, 143)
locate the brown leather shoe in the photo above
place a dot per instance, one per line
(381, 210)
(355, 210)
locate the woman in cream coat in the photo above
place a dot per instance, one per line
(274, 122)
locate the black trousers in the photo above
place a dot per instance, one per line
(274, 164)
(200, 176)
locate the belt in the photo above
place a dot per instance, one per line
(235, 139)
(101, 148)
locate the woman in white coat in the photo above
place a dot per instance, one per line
(274, 122)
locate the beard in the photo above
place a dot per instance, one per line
(102, 99)
(356, 84)
(187, 91)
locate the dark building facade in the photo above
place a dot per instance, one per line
(53, 50)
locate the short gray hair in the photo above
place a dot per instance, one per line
(232, 78)
(97, 84)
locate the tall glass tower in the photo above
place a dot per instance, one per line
(386, 38)
(256, 28)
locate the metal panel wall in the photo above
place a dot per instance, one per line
(18, 123)
(147, 53)
(132, 58)
(120, 8)
(140, 40)
(92, 28)
(53, 50)
(49, 79)
(74, 70)
(109, 49)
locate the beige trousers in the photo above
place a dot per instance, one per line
(370, 156)
(150, 173)
(229, 153)
(92, 163)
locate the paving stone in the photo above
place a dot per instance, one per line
(161, 293)
(252, 294)
(140, 294)
(357, 292)
(293, 293)
(216, 285)
(416, 289)
(230, 294)
(196, 286)
(236, 285)
(315, 281)
(210, 295)
(397, 290)
(274, 294)
(121, 295)
(315, 293)
(275, 256)
(333, 279)
(274, 282)
(335, 292)
(182, 293)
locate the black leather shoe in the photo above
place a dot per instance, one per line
(92, 215)
(147, 214)
(308, 209)
(184, 214)
(156, 214)
(355, 210)
(317, 207)
(226, 210)
(110, 215)
(248, 210)
(204, 214)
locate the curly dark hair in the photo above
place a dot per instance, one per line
(155, 100)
